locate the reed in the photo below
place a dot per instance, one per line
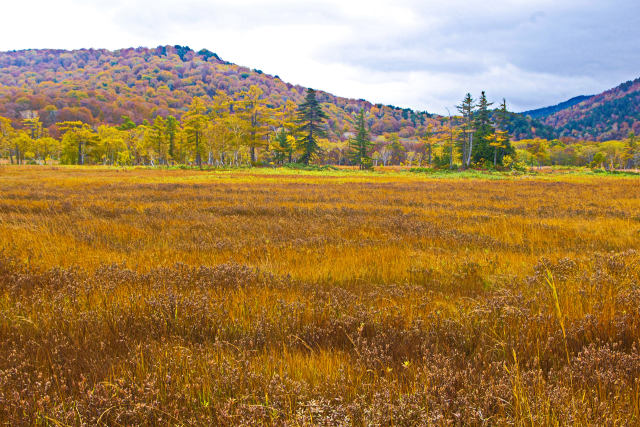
(179, 297)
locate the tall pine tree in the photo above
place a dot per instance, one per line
(310, 119)
(467, 109)
(361, 145)
(484, 132)
(502, 134)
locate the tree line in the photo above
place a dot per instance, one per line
(246, 130)
(225, 132)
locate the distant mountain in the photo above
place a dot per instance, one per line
(99, 86)
(609, 115)
(541, 113)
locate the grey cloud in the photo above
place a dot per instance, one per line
(535, 52)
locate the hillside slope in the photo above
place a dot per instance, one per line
(609, 115)
(101, 86)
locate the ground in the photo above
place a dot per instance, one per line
(145, 296)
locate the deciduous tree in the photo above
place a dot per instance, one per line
(194, 122)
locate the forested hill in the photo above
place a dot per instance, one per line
(99, 86)
(609, 115)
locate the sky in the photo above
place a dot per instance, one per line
(424, 55)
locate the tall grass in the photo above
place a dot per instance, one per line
(317, 297)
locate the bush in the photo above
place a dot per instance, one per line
(300, 166)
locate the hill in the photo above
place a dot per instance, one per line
(99, 86)
(609, 115)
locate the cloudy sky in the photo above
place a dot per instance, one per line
(420, 54)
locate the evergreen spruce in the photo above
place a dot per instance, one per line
(484, 133)
(502, 132)
(284, 148)
(310, 121)
(361, 145)
(467, 109)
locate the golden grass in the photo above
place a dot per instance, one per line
(144, 296)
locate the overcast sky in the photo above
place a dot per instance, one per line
(420, 54)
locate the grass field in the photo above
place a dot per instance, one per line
(144, 296)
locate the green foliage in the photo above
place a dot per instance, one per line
(467, 110)
(304, 167)
(127, 123)
(598, 160)
(483, 131)
(361, 145)
(310, 119)
(442, 161)
(284, 148)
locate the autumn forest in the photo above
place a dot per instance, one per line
(174, 106)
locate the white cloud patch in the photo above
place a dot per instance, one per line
(421, 54)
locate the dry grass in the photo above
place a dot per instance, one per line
(300, 298)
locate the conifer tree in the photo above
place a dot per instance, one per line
(127, 124)
(630, 152)
(310, 119)
(284, 143)
(502, 134)
(171, 130)
(361, 145)
(467, 109)
(284, 146)
(484, 132)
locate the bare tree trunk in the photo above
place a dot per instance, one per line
(198, 159)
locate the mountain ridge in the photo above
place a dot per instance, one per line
(539, 113)
(612, 114)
